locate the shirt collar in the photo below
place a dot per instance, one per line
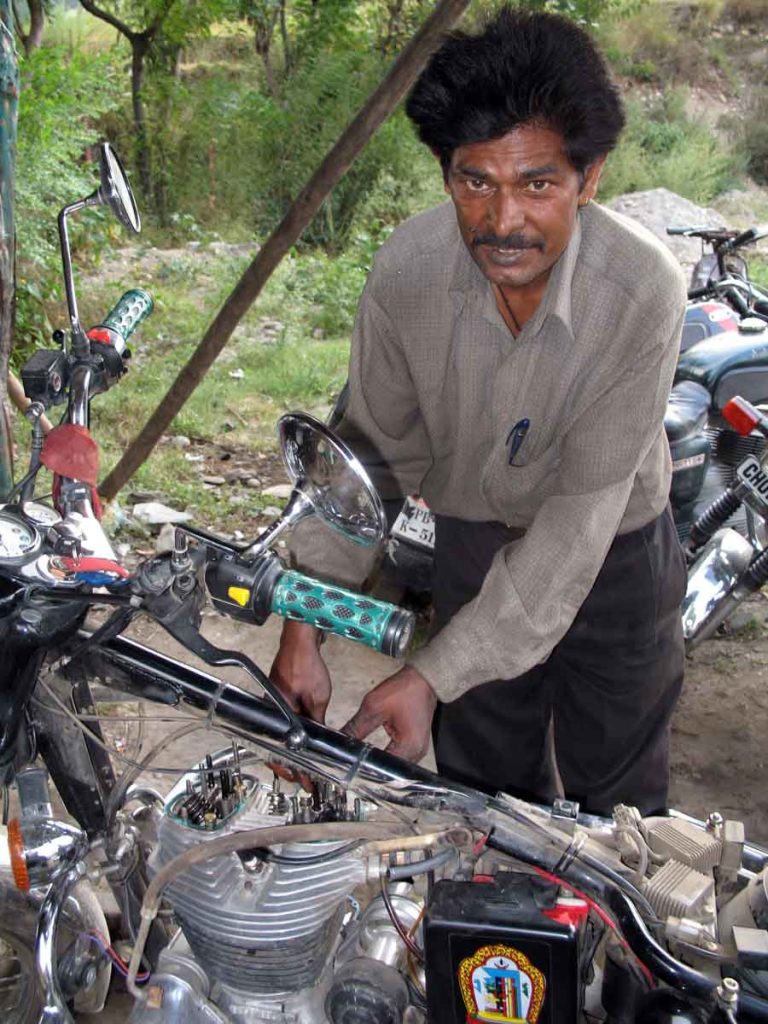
(468, 280)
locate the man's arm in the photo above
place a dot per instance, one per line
(382, 425)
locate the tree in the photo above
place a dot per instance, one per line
(37, 10)
(140, 41)
(337, 162)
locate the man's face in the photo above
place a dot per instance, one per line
(516, 199)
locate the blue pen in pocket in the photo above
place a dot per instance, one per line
(515, 438)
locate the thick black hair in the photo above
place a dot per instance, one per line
(523, 68)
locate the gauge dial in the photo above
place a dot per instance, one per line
(18, 540)
(39, 514)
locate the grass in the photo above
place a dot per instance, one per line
(281, 371)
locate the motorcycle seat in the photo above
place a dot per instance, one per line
(687, 410)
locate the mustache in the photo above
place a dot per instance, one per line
(513, 241)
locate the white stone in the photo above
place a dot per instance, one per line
(155, 513)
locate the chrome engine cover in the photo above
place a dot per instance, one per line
(262, 932)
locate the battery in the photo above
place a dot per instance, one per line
(495, 952)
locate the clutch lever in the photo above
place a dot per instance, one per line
(173, 592)
(183, 630)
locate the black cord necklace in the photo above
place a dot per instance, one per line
(508, 308)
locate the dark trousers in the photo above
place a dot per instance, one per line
(605, 695)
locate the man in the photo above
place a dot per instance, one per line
(512, 358)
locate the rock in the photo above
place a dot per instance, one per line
(658, 209)
(278, 491)
(252, 481)
(179, 441)
(154, 513)
(270, 512)
(139, 496)
(190, 457)
(166, 539)
(237, 374)
(213, 481)
(269, 331)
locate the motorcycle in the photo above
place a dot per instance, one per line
(726, 568)
(366, 889)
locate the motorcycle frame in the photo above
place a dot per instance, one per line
(158, 678)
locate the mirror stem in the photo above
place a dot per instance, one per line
(79, 341)
(297, 508)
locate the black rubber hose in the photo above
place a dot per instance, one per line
(712, 518)
(398, 872)
(669, 970)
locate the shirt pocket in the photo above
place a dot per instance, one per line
(516, 491)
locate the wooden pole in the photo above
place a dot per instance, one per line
(336, 163)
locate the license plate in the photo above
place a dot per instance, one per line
(415, 523)
(755, 478)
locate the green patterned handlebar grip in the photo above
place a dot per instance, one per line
(133, 307)
(377, 624)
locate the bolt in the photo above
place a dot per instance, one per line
(714, 821)
(728, 992)
(295, 738)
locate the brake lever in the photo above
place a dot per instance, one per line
(172, 592)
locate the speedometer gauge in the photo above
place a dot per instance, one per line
(19, 540)
(40, 515)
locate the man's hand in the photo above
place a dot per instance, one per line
(404, 704)
(299, 671)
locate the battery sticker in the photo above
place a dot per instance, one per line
(499, 983)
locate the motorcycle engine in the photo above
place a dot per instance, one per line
(308, 932)
(260, 930)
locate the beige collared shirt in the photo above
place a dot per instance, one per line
(437, 382)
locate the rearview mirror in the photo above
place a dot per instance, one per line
(115, 192)
(329, 482)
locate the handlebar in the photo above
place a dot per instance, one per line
(133, 307)
(377, 624)
(706, 234)
(121, 321)
(252, 590)
(722, 239)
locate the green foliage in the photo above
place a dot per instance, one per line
(589, 12)
(750, 133)
(63, 93)
(662, 148)
(238, 157)
(745, 12)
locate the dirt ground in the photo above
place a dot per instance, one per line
(719, 734)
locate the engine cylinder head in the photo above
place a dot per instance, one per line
(261, 923)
